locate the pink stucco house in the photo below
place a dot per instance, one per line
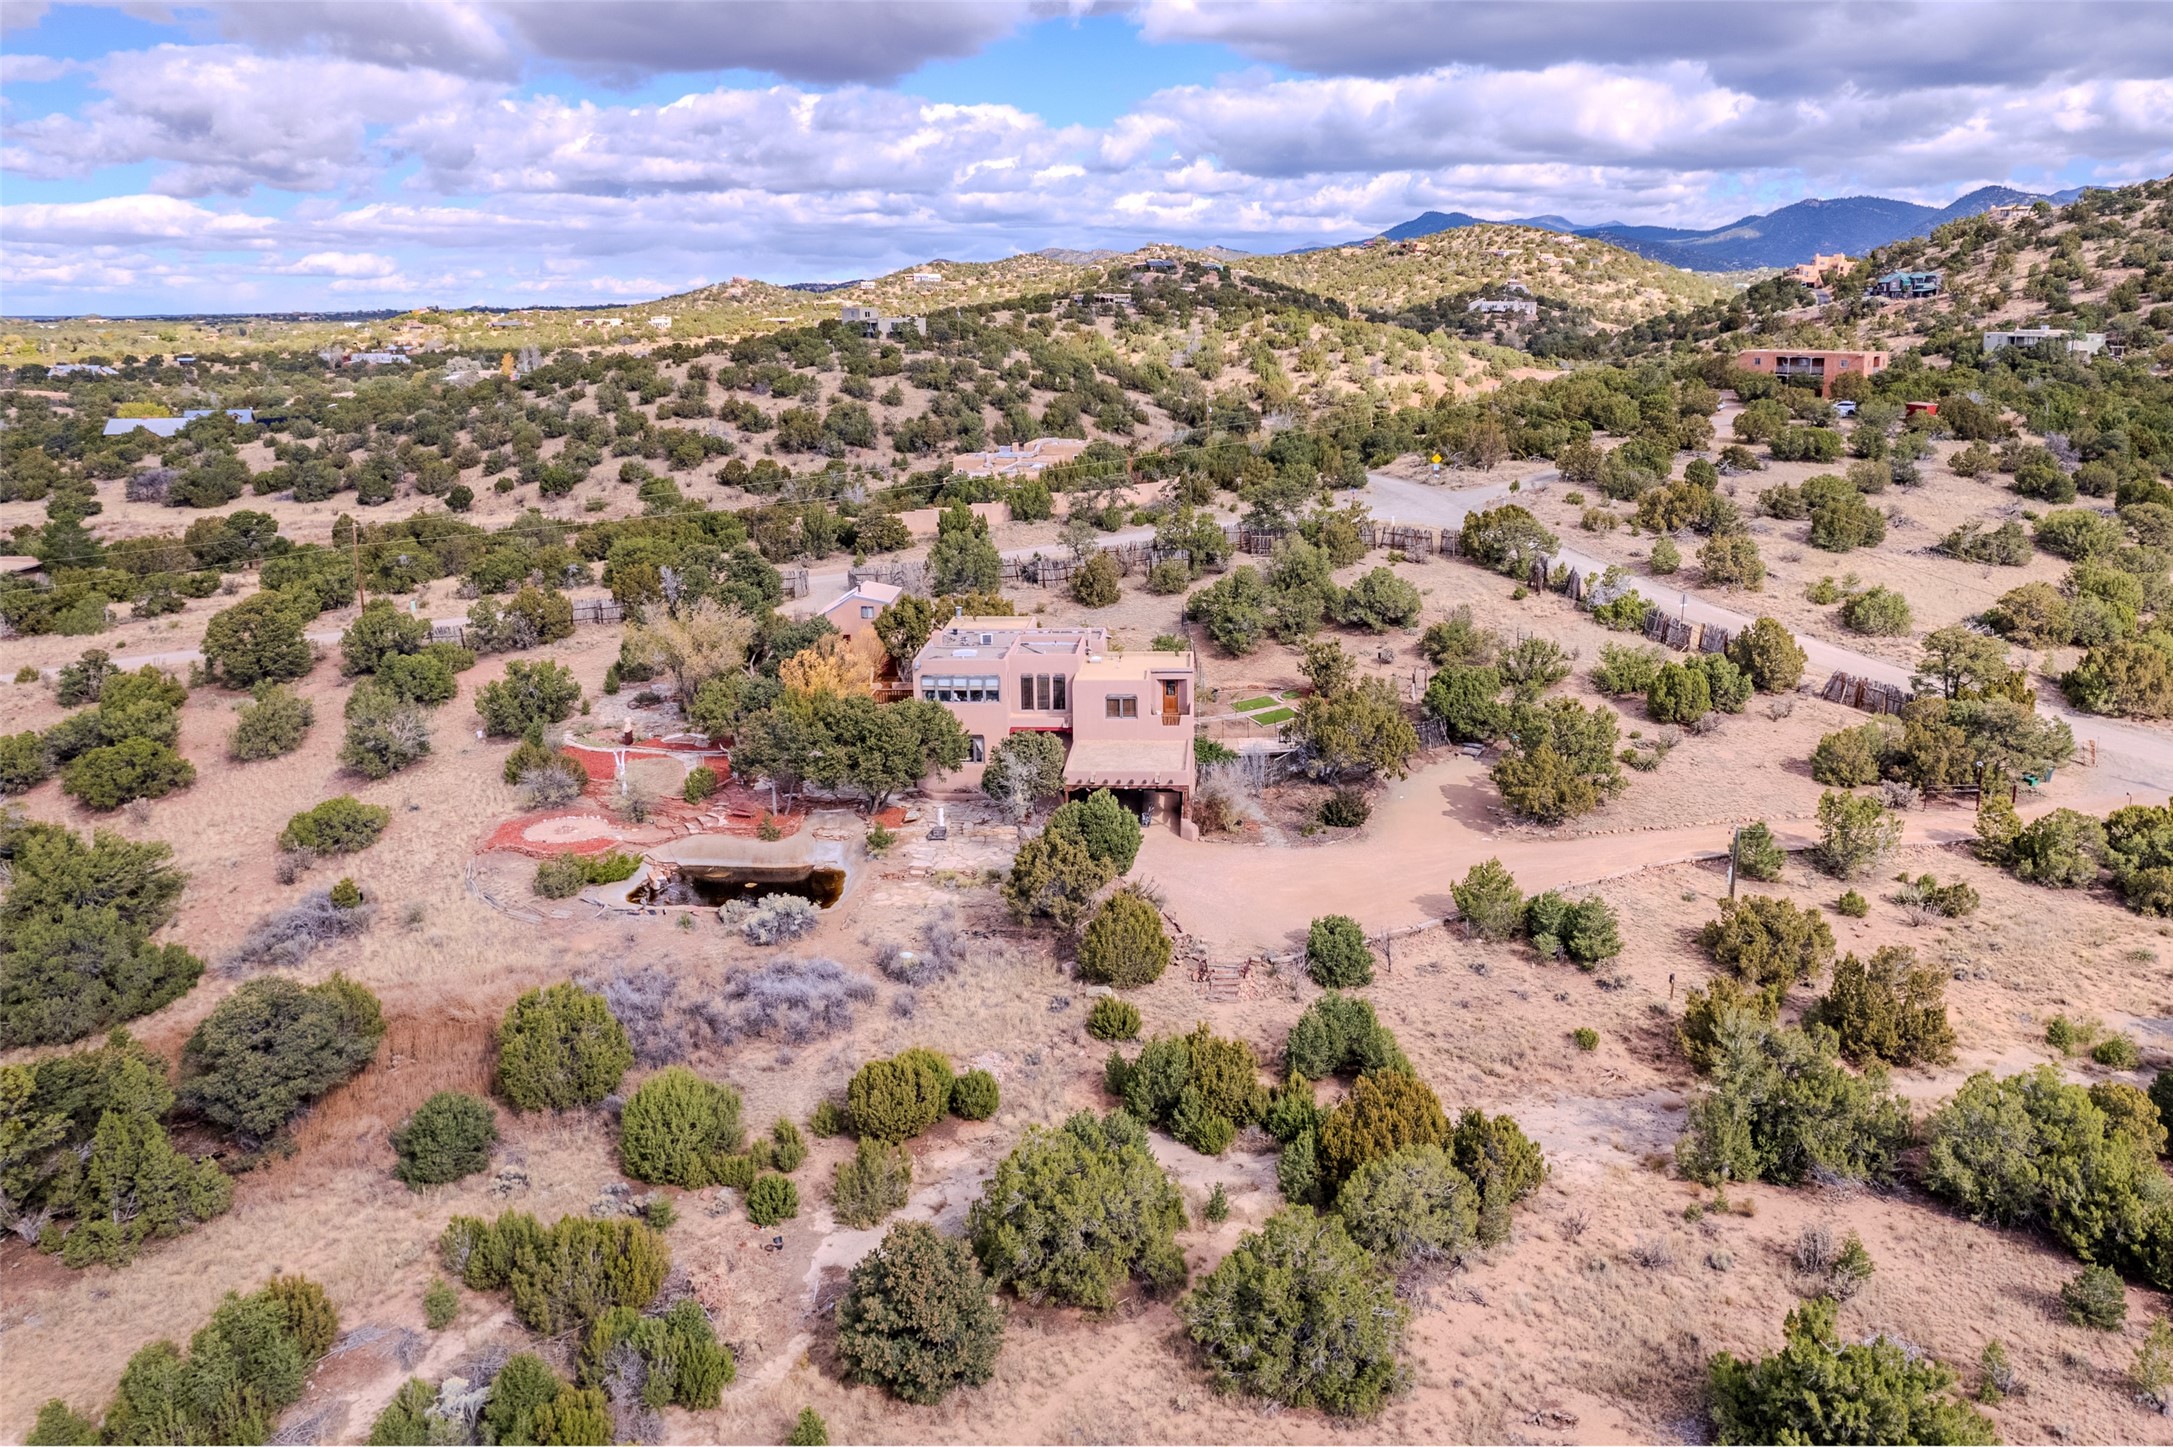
(1128, 719)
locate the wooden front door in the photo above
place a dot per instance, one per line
(1169, 700)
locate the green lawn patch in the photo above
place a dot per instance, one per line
(1274, 716)
(1247, 705)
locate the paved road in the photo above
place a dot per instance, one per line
(2129, 757)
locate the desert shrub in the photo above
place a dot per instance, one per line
(1851, 757)
(1504, 1164)
(876, 1181)
(1780, 1107)
(24, 762)
(2121, 677)
(651, 1362)
(1678, 695)
(1583, 929)
(1707, 1014)
(385, 732)
(273, 1047)
(771, 1199)
(1467, 699)
(272, 723)
(259, 640)
(1845, 521)
(406, 1419)
(2116, 1052)
(809, 1429)
(1456, 639)
(1075, 1211)
(1768, 941)
(2063, 849)
(2078, 533)
(2008, 544)
(420, 678)
(88, 1158)
(559, 1279)
(1878, 611)
(792, 1001)
(2032, 1150)
(1588, 1039)
(917, 1319)
(1384, 1112)
(137, 768)
(1757, 855)
(1336, 955)
(1199, 1087)
(243, 1367)
(1023, 770)
(440, 1304)
(1732, 561)
(1113, 1019)
(1299, 1313)
(1624, 669)
(1339, 1035)
(2095, 1297)
(1925, 892)
(676, 1127)
(1345, 809)
(75, 926)
(540, 692)
(1820, 1388)
(1561, 762)
(1856, 832)
(1125, 944)
(449, 1136)
(1890, 1009)
(1532, 666)
(1488, 901)
(560, 1048)
(1377, 601)
(974, 1095)
(898, 1098)
(560, 877)
(1109, 831)
(337, 826)
(1054, 875)
(1770, 654)
(1852, 904)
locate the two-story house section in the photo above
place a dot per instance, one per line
(1127, 719)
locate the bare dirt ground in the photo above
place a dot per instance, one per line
(1560, 1335)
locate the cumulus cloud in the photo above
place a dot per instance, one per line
(628, 41)
(221, 119)
(1803, 49)
(417, 152)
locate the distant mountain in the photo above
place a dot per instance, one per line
(1850, 224)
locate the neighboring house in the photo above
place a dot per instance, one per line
(873, 323)
(169, 426)
(1817, 369)
(1129, 718)
(340, 357)
(2032, 338)
(662, 324)
(1155, 263)
(84, 369)
(855, 610)
(16, 565)
(1511, 307)
(1026, 459)
(1905, 286)
(1815, 271)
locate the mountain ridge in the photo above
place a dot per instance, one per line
(1778, 238)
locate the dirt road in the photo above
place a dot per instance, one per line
(2130, 757)
(1425, 832)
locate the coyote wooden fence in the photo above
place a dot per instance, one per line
(1868, 694)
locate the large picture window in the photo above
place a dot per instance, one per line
(1121, 705)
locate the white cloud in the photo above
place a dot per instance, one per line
(352, 265)
(135, 220)
(28, 69)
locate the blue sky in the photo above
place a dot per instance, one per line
(325, 154)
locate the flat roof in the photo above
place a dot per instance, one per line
(1134, 665)
(1130, 763)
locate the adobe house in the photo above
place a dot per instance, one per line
(1812, 368)
(854, 611)
(1128, 719)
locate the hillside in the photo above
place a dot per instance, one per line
(1614, 285)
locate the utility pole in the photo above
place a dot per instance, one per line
(362, 593)
(1734, 840)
